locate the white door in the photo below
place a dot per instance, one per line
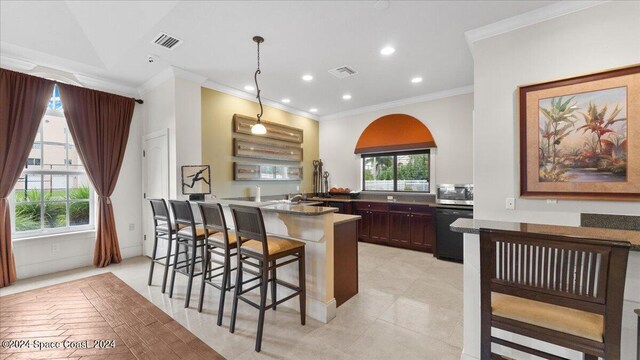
(155, 172)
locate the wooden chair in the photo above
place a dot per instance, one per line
(191, 237)
(220, 242)
(164, 229)
(562, 290)
(262, 252)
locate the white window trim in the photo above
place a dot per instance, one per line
(44, 232)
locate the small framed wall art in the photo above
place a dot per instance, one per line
(196, 180)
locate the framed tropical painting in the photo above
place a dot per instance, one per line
(580, 137)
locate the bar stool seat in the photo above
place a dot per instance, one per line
(560, 318)
(274, 244)
(217, 239)
(162, 226)
(185, 232)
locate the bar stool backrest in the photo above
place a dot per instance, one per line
(578, 273)
(213, 220)
(160, 210)
(183, 215)
(250, 225)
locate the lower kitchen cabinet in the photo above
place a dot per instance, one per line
(374, 226)
(399, 225)
(399, 229)
(423, 231)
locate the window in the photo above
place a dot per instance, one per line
(401, 171)
(53, 194)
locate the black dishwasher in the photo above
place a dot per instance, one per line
(449, 243)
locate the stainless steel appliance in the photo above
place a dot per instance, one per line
(454, 194)
(454, 201)
(449, 244)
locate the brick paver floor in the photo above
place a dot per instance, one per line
(98, 317)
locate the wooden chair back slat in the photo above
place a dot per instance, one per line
(212, 217)
(250, 225)
(159, 210)
(553, 267)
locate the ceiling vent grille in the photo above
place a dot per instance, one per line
(167, 41)
(342, 72)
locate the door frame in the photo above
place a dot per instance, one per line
(145, 138)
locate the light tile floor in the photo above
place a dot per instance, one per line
(409, 307)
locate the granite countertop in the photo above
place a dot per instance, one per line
(298, 209)
(395, 201)
(473, 226)
(344, 218)
(306, 209)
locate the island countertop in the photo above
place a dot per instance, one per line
(306, 209)
(473, 226)
(344, 218)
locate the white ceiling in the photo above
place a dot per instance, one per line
(111, 40)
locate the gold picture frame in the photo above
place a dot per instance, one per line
(580, 137)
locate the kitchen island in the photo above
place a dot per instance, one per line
(471, 229)
(315, 226)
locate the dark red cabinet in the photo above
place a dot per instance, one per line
(423, 231)
(374, 226)
(399, 229)
(399, 225)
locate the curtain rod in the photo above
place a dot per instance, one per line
(139, 101)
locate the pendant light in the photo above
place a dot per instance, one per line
(258, 128)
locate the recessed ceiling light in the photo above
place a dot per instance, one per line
(416, 80)
(387, 50)
(307, 77)
(286, 100)
(346, 97)
(249, 88)
(313, 110)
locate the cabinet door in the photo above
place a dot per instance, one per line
(379, 226)
(399, 229)
(363, 224)
(422, 231)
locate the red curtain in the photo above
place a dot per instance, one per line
(99, 124)
(23, 102)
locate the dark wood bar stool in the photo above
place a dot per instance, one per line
(259, 256)
(563, 290)
(191, 236)
(219, 242)
(164, 229)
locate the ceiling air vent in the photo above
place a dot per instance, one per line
(342, 72)
(167, 41)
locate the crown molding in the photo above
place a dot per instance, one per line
(539, 15)
(402, 102)
(102, 84)
(16, 64)
(156, 80)
(183, 74)
(54, 73)
(251, 97)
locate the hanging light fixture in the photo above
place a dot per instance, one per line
(258, 128)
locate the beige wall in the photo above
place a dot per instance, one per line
(217, 145)
(449, 120)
